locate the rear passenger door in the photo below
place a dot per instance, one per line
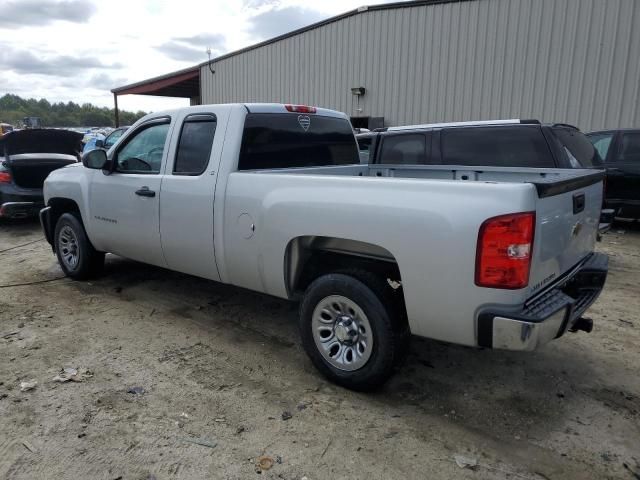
(187, 192)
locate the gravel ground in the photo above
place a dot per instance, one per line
(223, 380)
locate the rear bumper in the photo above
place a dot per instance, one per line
(17, 202)
(546, 316)
(19, 209)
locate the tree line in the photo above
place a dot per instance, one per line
(13, 109)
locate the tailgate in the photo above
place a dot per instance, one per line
(567, 219)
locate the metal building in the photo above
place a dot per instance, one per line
(569, 61)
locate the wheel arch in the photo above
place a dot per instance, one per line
(60, 206)
(308, 257)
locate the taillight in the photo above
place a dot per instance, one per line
(300, 108)
(505, 245)
(5, 177)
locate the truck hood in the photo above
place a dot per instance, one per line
(41, 141)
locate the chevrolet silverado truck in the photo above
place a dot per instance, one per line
(272, 198)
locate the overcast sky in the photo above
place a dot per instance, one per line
(80, 49)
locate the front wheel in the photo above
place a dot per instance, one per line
(348, 330)
(76, 256)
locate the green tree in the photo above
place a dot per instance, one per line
(13, 109)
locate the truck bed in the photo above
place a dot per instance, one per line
(426, 217)
(547, 181)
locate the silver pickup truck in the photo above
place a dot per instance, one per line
(272, 198)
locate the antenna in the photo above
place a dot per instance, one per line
(209, 55)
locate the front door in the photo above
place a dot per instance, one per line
(125, 205)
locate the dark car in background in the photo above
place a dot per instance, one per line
(620, 150)
(495, 143)
(499, 143)
(26, 158)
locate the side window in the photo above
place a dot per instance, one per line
(629, 150)
(578, 149)
(406, 149)
(143, 152)
(509, 146)
(601, 142)
(194, 145)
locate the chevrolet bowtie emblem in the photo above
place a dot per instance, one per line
(304, 121)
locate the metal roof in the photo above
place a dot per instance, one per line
(149, 86)
(350, 13)
(182, 83)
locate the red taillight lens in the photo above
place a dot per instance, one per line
(300, 108)
(5, 177)
(505, 245)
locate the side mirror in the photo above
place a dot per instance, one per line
(99, 143)
(96, 159)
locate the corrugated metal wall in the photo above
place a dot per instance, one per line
(571, 61)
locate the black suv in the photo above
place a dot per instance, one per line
(505, 143)
(498, 143)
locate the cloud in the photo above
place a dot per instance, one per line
(23, 13)
(194, 48)
(104, 81)
(215, 41)
(260, 3)
(181, 52)
(24, 62)
(278, 21)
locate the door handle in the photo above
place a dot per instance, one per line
(578, 203)
(145, 192)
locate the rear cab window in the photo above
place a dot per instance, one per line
(577, 148)
(289, 140)
(508, 146)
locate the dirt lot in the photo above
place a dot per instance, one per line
(221, 366)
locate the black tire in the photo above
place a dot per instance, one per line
(89, 261)
(390, 335)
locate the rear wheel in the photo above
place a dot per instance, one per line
(76, 256)
(350, 330)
